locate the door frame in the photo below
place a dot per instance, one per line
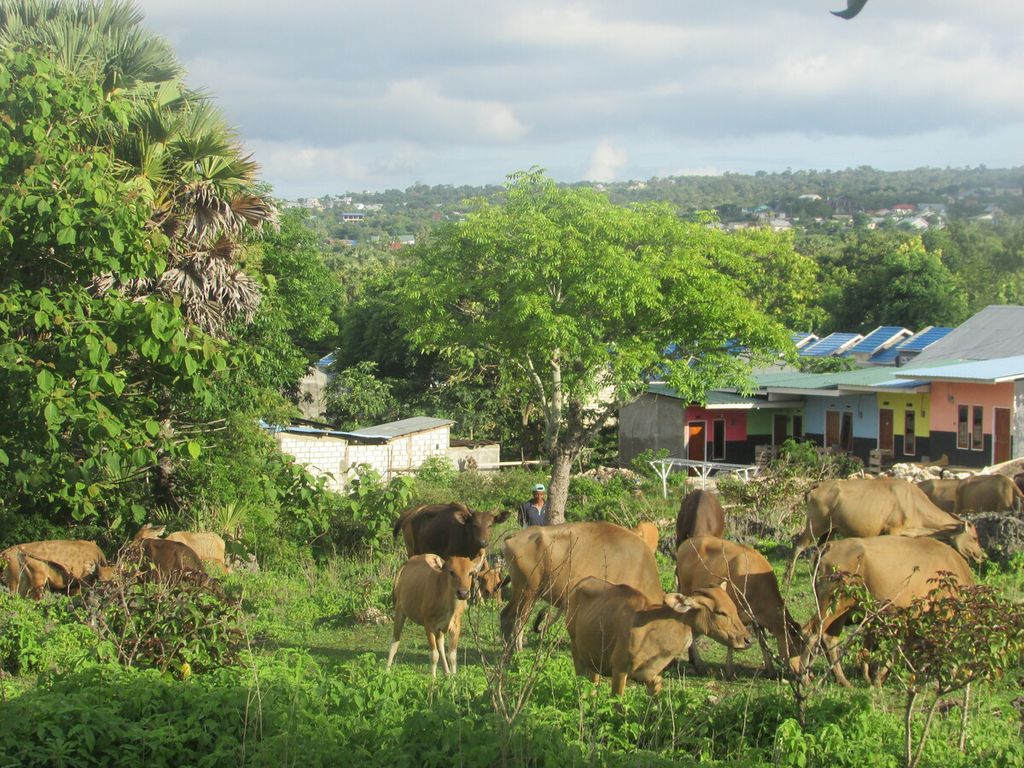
(705, 433)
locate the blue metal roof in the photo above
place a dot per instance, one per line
(981, 371)
(326, 361)
(882, 336)
(803, 339)
(919, 341)
(888, 355)
(830, 344)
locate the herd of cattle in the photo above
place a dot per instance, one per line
(895, 538)
(66, 565)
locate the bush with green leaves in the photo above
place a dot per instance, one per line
(38, 636)
(366, 513)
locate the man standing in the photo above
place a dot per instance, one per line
(534, 511)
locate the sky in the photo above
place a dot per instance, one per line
(333, 96)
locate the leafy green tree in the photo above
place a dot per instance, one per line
(357, 398)
(576, 302)
(90, 378)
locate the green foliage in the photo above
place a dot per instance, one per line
(826, 364)
(437, 470)
(357, 398)
(367, 512)
(41, 636)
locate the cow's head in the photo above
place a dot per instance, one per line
(460, 572)
(489, 583)
(150, 531)
(964, 539)
(478, 524)
(713, 613)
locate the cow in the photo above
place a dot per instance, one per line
(209, 546)
(432, 592)
(615, 631)
(648, 532)
(71, 562)
(700, 514)
(866, 507)
(170, 559)
(895, 570)
(446, 529)
(750, 582)
(942, 493)
(546, 561)
(488, 583)
(987, 493)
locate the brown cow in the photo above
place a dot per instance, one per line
(616, 631)
(171, 559)
(895, 570)
(209, 546)
(488, 583)
(446, 529)
(648, 532)
(987, 493)
(700, 514)
(546, 561)
(80, 563)
(432, 592)
(866, 507)
(29, 576)
(942, 493)
(81, 559)
(750, 582)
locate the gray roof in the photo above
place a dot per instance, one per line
(979, 371)
(996, 331)
(403, 427)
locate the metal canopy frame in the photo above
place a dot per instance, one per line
(704, 469)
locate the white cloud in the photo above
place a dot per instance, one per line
(606, 161)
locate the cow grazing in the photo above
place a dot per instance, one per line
(700, 514)
(545, 561)
(648, 532)
(750, 582)
(895, 570)
(616, 631)
(942, 493)
(59, 564)
(170, 559)
(987, 493)
(432, 592)
(209, 546)
(866, 507)
(446, 529)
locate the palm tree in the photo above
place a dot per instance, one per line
(176, 147)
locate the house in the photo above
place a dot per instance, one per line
(313, 389)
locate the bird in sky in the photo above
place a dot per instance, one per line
(853, 7)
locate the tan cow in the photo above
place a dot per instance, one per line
(488, 583)
(432, 592)
(209, 546)
(750, 582)
(866, 507)
(648, 532)
(700, 514)
(987, 493)
(171, 559)
(546, 561)
(895, 570)
(616, 631)
(942, 493)
(70, 563)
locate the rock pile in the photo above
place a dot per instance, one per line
(915, 473)
(1001, 535)
(604, 474)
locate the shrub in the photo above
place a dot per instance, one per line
(40, 636)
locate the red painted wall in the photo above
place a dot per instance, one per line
(735, 421)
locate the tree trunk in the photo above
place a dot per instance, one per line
(558, 492)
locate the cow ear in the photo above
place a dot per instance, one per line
(501, 517)
(479, 562)
(463, 515)
(435, 562)
(679, 603)
(723, 586)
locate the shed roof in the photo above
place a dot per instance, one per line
(916, 343)
(719, 400)
(996, 331)
(832, 344)
(402, 427)
(881, 338)
(977, 371)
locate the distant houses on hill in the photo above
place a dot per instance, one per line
(914, 397)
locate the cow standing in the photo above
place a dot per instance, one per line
(170, 559)
(700, 514)
(446, 530)
(58, 564)
(987, 493)
(616, 631)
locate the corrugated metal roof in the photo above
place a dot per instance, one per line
(803, 339)
(922, 340)
(718, 399)
(831, 344)
(809, 382)
(401, 427)
(981, 371)
(881, 338)
(325, 361)
(995, 332)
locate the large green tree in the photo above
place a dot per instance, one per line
(577, 302)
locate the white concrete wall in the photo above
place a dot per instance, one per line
(321, 455)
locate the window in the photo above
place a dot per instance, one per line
(909, 436)
(963, 429)
(798, 425)
(977, 432)
(846, 432)
(718, 439)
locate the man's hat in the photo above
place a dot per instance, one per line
(538, 487)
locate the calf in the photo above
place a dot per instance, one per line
(648, 532)
(614, 630)
(488, 583)
(170, 559)
(432, 592)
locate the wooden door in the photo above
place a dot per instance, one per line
(832, 422)
(780, 429)
(885, 422)
(1001, 436)
(696, 440)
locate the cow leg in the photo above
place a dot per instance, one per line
(831, 640)
(698, 664)
(396, 635)
(454, 631)
(434, 654)
(443, 654)
(514, 616)
(654, 685)
(618, 683)
(729, 671)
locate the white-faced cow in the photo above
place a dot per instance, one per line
(447, 530)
